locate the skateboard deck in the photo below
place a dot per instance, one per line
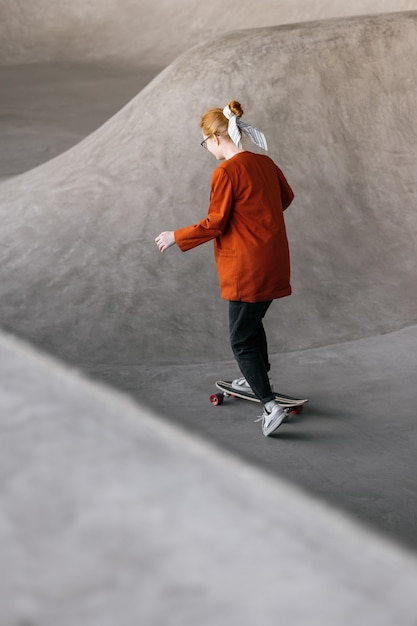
(295, 405)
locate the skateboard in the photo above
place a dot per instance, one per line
(294, 405)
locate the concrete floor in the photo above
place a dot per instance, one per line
(353, 445)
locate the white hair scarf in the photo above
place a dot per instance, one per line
(236, 127)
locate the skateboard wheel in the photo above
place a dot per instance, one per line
(295, 410)
(216, 399)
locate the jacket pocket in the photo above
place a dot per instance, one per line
(226, 252)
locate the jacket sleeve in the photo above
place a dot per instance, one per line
(212, 226)
(287, 194)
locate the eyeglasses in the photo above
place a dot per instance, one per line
(203, 143)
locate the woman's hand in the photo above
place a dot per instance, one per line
(165, 240)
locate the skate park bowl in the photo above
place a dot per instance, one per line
(82, 280)
(80, 275)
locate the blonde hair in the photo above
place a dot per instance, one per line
(214, 122)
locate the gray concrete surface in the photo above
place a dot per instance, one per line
(343, 131)
(80, 277)
(110, 515)
(47, 108)
(48, 56)
(353, 445)
(149, 33)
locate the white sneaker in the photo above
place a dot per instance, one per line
(241, 384)
(273, 420)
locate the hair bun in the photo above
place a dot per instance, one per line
(236, 108)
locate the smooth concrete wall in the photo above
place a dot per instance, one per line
(149, 32)
(80, 274)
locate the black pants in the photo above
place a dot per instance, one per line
(249, 345)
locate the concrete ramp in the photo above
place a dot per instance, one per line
(149, 33)
(111, 516)
(80, 274)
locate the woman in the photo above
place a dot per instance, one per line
(245, 219)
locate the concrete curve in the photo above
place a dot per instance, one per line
(60, 83)
(92, 481)
(80, 273)
(148, 33)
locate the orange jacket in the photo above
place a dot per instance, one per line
(245, 218)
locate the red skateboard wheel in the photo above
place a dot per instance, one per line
(216, 399)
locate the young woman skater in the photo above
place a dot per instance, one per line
(249, 194)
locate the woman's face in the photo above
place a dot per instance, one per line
(213, 145)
